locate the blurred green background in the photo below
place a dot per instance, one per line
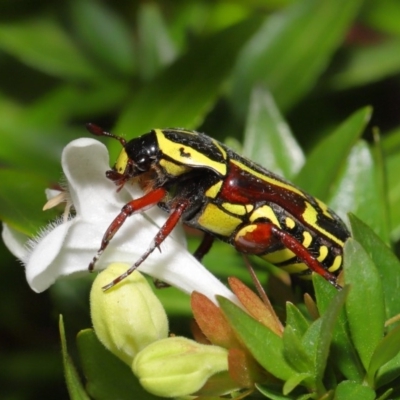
(131, 66)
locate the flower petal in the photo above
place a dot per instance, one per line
(84, 163)
(15, 241)
(181, 270)
(42, 269)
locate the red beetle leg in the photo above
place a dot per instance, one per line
(257, 238)
(162, 234)
(138, 205)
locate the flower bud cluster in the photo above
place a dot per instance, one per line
(130, 322)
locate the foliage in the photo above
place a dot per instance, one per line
(310, 83)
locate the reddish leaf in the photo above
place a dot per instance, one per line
(260, 311)
(212, 322)
(243, 369)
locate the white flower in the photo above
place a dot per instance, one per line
(67, 246)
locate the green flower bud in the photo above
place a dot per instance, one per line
(127, 317)
(177, 366)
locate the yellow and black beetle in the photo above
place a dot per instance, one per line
(208, 186)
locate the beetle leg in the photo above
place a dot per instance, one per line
(204, 246)
(134, 206)
(201, 251)
(257, 238)
(159, 284)
(174, 217)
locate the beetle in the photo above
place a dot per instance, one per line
(206, 185)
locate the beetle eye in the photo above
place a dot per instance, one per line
(143, 164)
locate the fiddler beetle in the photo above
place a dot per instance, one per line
(208, 186)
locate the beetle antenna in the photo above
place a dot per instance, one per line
(98, 131)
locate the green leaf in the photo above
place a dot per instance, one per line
(383, 16)
(391, 142)
(42, 44)
(107, 376)
(273, 394)
(291, 49)
(388, 372)
(32, 149)
(74, 385)
(265, 346)
(155, 46)
(329, 319)
(22, 199)
(318, 337)
(310, 339)
(368, 64)
(296, 320)
(332, 153)
(223, 14)
(387, 263)
(183, 93)
(386, 350)
(385, 395)
(358, 190)
(307, 396)
(383, 226)
(347, 390)
(392, 163)
(295, 353)
(57, 107)
(104, 34)
(268, 139)
(365, 304)
(295, 381)
(343, 352)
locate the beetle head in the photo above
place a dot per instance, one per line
(136, 158)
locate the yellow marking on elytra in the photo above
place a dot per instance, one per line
(310, 215)
(290, 223)
(323, 252)
(221, 149)
(268, 178)
(265, 212)
(324, 208)
(307, 239)
(237, 209)
(213, 190)
(249, 208)
(279, 256)
(337, 262)
(122, 161)
(172, 168)
(187, 155)
(293, 268)
(217, 221)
